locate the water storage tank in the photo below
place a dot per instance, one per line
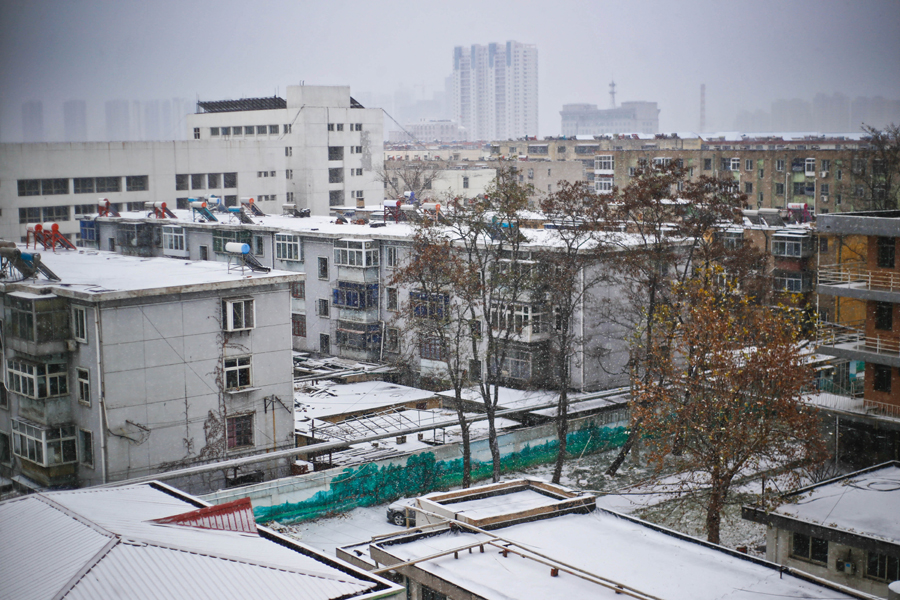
(237, 248)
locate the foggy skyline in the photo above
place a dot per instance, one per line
(748, 54)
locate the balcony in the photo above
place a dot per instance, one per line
(857, 275)
(833, 401)
(851, 342)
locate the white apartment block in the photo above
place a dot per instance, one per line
(130, 365)
(315, 148)
(495, 90)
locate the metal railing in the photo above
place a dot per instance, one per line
(859, 273)
(882, 408)
(830, 334)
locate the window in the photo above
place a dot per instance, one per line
(430, 594)
(109, 184)
(779, 165)
(392, 299)
(839, 175)
(287, 247)
(323, 267)
(748, 164)
(340, 126)
(886, 251)
(823, 244)
(809, 548)
(838, 198)
(335, 197)
(355, 295)
(810, 167)
(5, 451)
(352, 253)
(881, 382)
(83, 386)
(796, 247)
(136, 183)
(226, 131)
(298, 325)
(214, 180)
(357, 126)
(55, 213)
(516, 364)
(221, 238)
(792, 282)
(229, 180)
(880, 566)
(82, 185)
(392, 340)
(196, 133)
(391, 257)
(259, 246)
(429, 305)
(517, 317)
(431, 348)
(272, 129)
(335, 153)
(173, 238)
(287, 128)
(323, 309)
(42, 445)
(884, 316)
(335, 175)
(824, 188)
(465, 183)
(324, 343)
(288, 173)
(238, 315)
(198, 182)
(36, 380)
(261, 129)
(356, 172)
(86, 447)
(288, 151)
(181, 182)
(748, 188)
(214, 131)
(735, 164)
(29, 187)
(331, 127)
(298, 290)
(603, 185)
(237, 372)
(240, 431)
(52, 187)
(79, 324)
(604, 163)
(355, 149)
(761, 173)
(707, 164)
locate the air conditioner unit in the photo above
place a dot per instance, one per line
(825, 199)
(823, 174)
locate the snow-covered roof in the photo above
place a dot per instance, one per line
(328, 398)
(96, 274)
(508, 397)
(102, 543)
(865, 503)
(650, 560)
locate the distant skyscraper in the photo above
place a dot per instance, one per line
(75, 120)
(151, 120)
(118, 121)
(33, 121)
(495, 90)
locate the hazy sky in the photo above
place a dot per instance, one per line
(748, 53)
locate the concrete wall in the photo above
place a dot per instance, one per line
(308, 496)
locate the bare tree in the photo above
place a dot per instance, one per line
(416, 176)
(875, 170)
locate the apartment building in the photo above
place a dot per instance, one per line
(495, 90)
(873, 281)
(823, 173)
(120, 366)
(628, 117)
(315, 148)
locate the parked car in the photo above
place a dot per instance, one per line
(402, 513)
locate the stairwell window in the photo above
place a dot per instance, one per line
(79, 324)
(83, 389)
(237, 372)
(238, 315)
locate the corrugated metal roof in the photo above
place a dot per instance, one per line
(37, 535)
(272, 103)
(231, 516)
(103, 543)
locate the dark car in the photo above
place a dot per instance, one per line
(402, 513)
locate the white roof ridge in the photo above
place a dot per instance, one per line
(73, 515)
(87, 568)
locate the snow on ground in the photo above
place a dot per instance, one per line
(631, 491)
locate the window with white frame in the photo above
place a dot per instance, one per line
(603, 185)
(391, 257)
(735, 164)
(810, 166)
(516, 364)
(45, 446)
(79, 324)
(173, 238)
(83, 386)
(355, 253)
(323, 307)
(237, 372)
(86, 447)
(661, 162)
(605, 163)
(748, 164)
(239, 429)
(238, 315)
(779, 165)
(36, 380)
(287, 247)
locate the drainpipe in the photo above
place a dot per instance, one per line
(101, 395)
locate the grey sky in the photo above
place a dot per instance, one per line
(747, 53)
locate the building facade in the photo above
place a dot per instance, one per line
(628, 117)
(127, 365)
(316, 148)
(495, 90)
